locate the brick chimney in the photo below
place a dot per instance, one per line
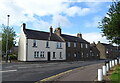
(58, 31)
(79, 35)
(51, 31)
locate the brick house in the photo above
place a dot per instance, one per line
(107, 51)
(94, 52)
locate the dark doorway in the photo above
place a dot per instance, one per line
(48, 56)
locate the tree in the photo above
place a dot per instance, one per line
(110, 25)
(8, 35)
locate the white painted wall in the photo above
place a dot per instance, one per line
(22, 46)
(41, 46)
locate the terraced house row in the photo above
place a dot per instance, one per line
(53, 46)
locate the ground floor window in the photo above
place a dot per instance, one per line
(54, 56)
(60, 55)
(39, 54)
(35, 54)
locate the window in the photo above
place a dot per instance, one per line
(82, 54)
(34, 43)
(60, 55)
(97, 55)
(81, 45)
(47, 44)
(68, 44)
(107, 51)
(86, 45)
(35, 54)
(42, 54)
(59, 45)
(54, 55)
(75, 55)
(74, 44)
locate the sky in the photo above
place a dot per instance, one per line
(73, 16)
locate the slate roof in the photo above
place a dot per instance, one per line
(73, 38)
(108, 45)
(41, 35)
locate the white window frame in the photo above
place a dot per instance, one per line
(81, 45)
(47, 44)
(35, 42)
(68, 44)
(75, 44)
(86, 45)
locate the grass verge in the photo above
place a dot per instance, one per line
(115, 76)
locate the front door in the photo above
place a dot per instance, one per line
(48, 56)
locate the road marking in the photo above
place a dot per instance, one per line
(55, 75)
(8, 71)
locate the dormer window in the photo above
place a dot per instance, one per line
(34, 43)
(47, 44)
(74, 44)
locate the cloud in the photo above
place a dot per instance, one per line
(23, 11)
(94, 22)
(72, 11)
(62, 20)
(94, 36)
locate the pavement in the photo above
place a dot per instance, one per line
(85, 73)
(36, 71)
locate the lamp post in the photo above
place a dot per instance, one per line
(7, 39)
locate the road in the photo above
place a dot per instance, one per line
(35, 71)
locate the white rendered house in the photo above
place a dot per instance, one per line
(40, 46)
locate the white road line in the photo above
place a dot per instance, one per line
(8, 71)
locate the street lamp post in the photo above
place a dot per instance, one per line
(7, 39)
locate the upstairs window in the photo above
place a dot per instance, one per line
(68, 44)
(107, 51)
(75, 55)
(74, 44)
(47, 44)
(81, 45)
(34, 43)
(86, 45)
(59, 45)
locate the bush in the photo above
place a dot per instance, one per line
(12, 57)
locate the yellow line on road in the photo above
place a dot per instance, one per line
(46, 79)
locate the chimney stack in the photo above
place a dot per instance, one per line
(58, 31)
(51, 31)
(23, 26)
(79, 35)
(98, 41)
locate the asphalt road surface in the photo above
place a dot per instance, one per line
(35, 71)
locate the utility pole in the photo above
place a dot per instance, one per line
(7, 39)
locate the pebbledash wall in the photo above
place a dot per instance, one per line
(43, 51)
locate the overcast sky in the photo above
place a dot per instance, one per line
(73, 16)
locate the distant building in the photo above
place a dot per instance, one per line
(94, 52)
(107, 51)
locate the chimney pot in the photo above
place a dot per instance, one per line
(79, 35)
